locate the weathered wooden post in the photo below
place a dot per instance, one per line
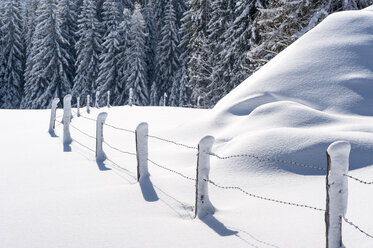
(164, 99)
(130, 99)
(203, 206)
(100, 155)
(52, 121)
(198, 101)
(78, 106)
(66, 119)
(88, 103)
(336, 191)
(96, 100)
(108, 99)
(142, 150)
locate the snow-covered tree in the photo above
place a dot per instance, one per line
(12, 54)
(150, 41)
(199, 67)
(108, 73)
(30, 23)
(109, 68)
(67, 17)
(111, 16)
(88, 50)
(122, 57)
(47, 78)
(137, 69)
(168, 55)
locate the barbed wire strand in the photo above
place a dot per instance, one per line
(119, 128)
(356, 227)
(79, 143)
(172, 142)
(119, 150)
(267, 159)
(262, 197)
(357, 179)
(82, 132)
(170, 170)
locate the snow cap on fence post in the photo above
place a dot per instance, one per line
(88, 103)
(97, 97)
(130, 99)
(108, 99)
(66, 119)
(78, 106)
(52, 121)
(142, 150)
(100, 155)
(203, 206)
(336, 191)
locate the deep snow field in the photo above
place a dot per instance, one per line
(317, 91)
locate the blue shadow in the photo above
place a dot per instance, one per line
(67, 147)
(101, 165)
(147, 190)
(52, 134)
(217, 226)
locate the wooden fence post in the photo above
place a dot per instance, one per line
(53, 114)
(108, 99)
(203, 206)
(66, 119)
(97, 97)
(130, 99)
(100, 155)
(336, 191)
(142, 150)
(164, 99)
(88, 103)
(78, 106)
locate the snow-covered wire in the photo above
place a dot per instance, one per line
(79, 143)
(357, 228)
(357, 179)
(170, 170)
(82, 132)
(267, 159)
(119, 128)
(119, 150)
(262, 197)
(173, 142)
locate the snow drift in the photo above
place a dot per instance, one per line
(318, 90)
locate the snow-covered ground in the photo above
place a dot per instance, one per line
(317, 91)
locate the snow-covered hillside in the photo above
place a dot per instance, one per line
(317, 91)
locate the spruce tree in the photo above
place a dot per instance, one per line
(122, 57)
(2, 65)
(12, 54)
(150, 41)
(47, 78)
(88, 49)
(109, 67)
(199, 68)
(137, 69)
(168, 55)
(67, 17)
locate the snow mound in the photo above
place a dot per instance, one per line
(318, 90)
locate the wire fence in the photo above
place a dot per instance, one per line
(220, 157)
(262, 197)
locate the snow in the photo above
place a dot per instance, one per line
(316, 92)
